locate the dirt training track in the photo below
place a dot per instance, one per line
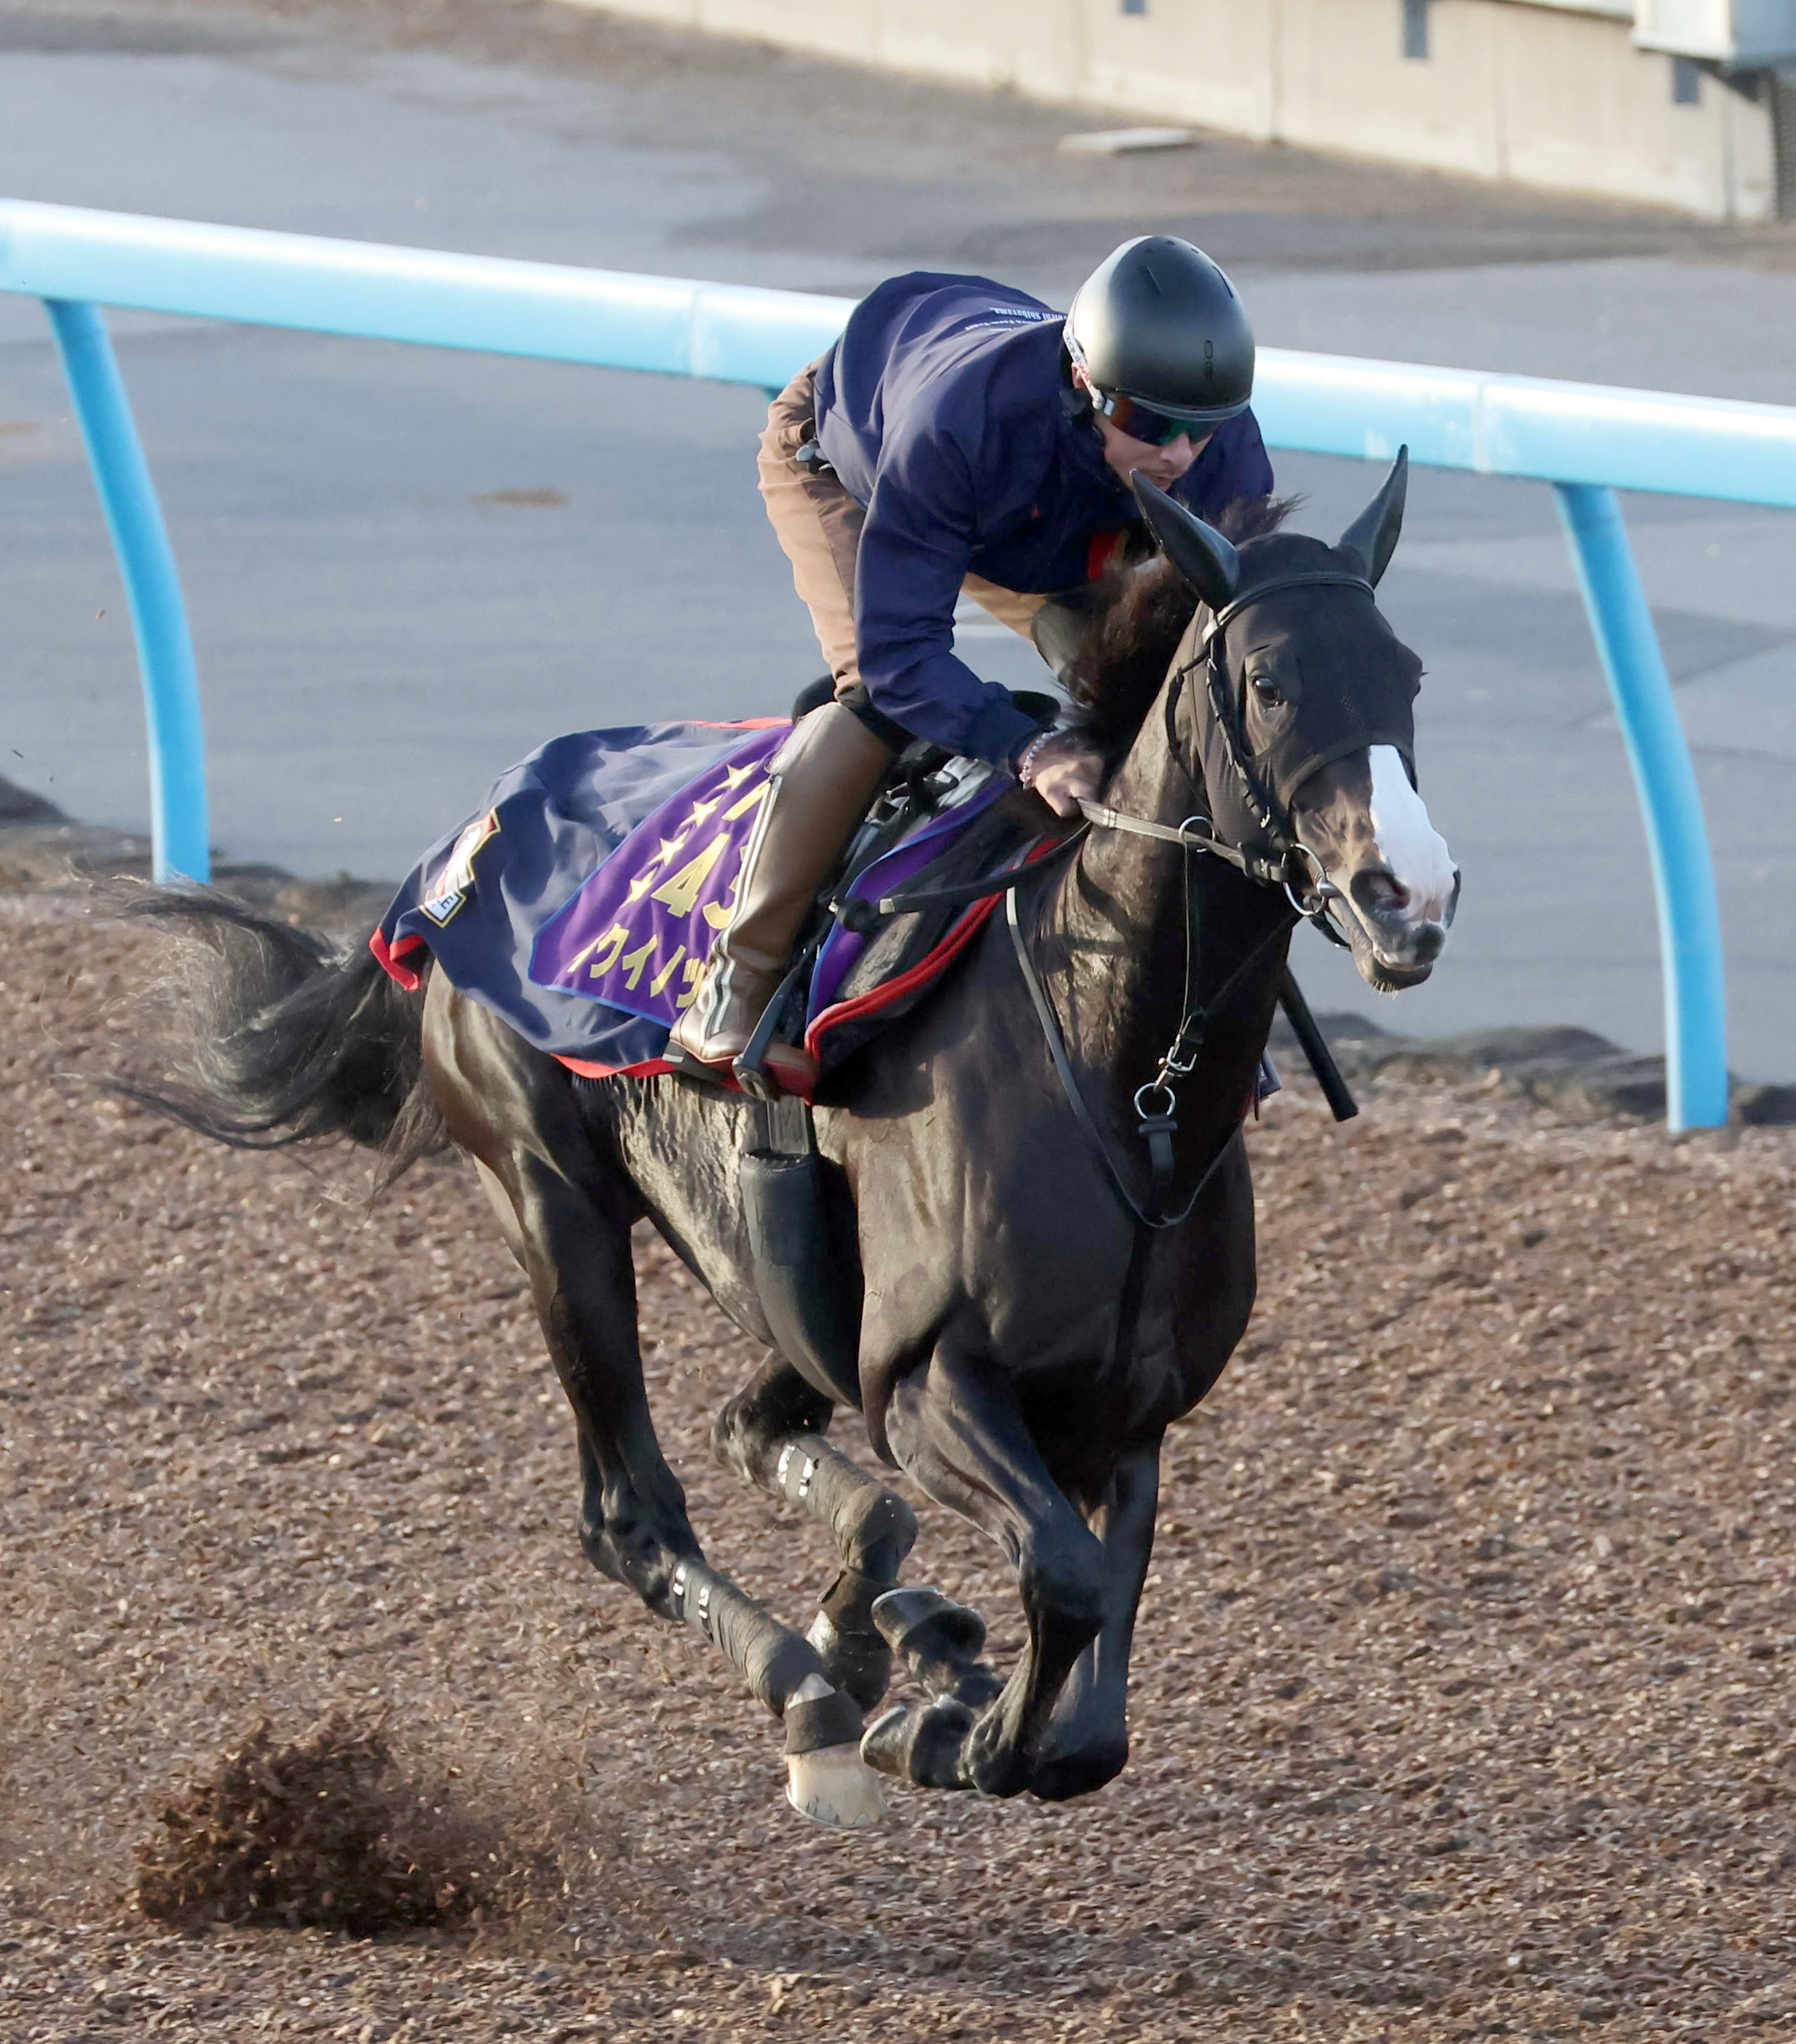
(1462, 1702)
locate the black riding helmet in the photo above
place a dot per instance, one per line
(1158, 324)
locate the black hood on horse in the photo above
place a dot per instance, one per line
(1320, 675)
(1287, 689)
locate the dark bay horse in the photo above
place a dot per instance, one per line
(1042, 1166)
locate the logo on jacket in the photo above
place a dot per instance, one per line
(1002, 315)
(455, 882)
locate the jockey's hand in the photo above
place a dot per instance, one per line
(1063, 769)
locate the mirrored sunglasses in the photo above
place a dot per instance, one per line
(1144, 423)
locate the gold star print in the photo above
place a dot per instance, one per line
(735, 776)
(645, 879)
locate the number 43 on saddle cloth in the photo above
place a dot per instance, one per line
(580, 903)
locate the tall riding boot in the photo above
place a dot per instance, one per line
(823, 778)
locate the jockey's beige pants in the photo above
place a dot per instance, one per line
(818, 523)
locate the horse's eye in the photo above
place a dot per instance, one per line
(1267, 691)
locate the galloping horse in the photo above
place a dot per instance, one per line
(1041, 1165)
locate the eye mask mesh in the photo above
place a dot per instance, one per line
(1251, 792)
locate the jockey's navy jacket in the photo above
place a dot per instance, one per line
(946, 409)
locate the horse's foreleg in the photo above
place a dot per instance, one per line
(1087, 1742)
(955, 1426)
(772, 1433)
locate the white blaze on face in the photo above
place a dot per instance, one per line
(1410, 846)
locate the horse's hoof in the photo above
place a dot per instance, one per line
(920, 1745)
(928, 1631)
(1061, 1776)
(834, 1785)
(992, 1767)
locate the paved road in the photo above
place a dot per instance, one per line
(406, 567)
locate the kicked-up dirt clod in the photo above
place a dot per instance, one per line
(321, 1830)
(1465, 1703)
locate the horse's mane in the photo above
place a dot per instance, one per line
(1140, 614)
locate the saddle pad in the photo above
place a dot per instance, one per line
(482, 900)
(579, 904)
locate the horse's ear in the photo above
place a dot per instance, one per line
(1371, 539)
(1207, 560)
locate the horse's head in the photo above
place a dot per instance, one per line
(1299, 717)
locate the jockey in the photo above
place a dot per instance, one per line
(961, 435)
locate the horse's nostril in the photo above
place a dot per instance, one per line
(1377, 891)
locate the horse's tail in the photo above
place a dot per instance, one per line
(287, 1037)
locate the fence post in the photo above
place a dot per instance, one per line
(1690, 922)
(179, 836)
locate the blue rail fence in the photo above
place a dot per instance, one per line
(1586, 439)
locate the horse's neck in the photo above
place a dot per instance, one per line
(1114, 942)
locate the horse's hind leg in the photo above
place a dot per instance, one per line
(771, 1432)
(825, 1777)
(514, 1111)
(591, 1324)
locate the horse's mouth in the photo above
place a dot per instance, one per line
(1394, 947)
(1389, 966)
(1385, 976)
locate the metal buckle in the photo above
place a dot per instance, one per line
(1322, 891)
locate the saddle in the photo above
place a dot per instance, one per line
(904, 908)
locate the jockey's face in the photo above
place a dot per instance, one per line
(1125, 453)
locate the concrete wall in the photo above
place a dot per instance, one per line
(1509, 90)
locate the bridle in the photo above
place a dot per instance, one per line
(1198, 833)
(1288, 864)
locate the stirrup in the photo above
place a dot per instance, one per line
(681, 1064)
(753, 1074)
